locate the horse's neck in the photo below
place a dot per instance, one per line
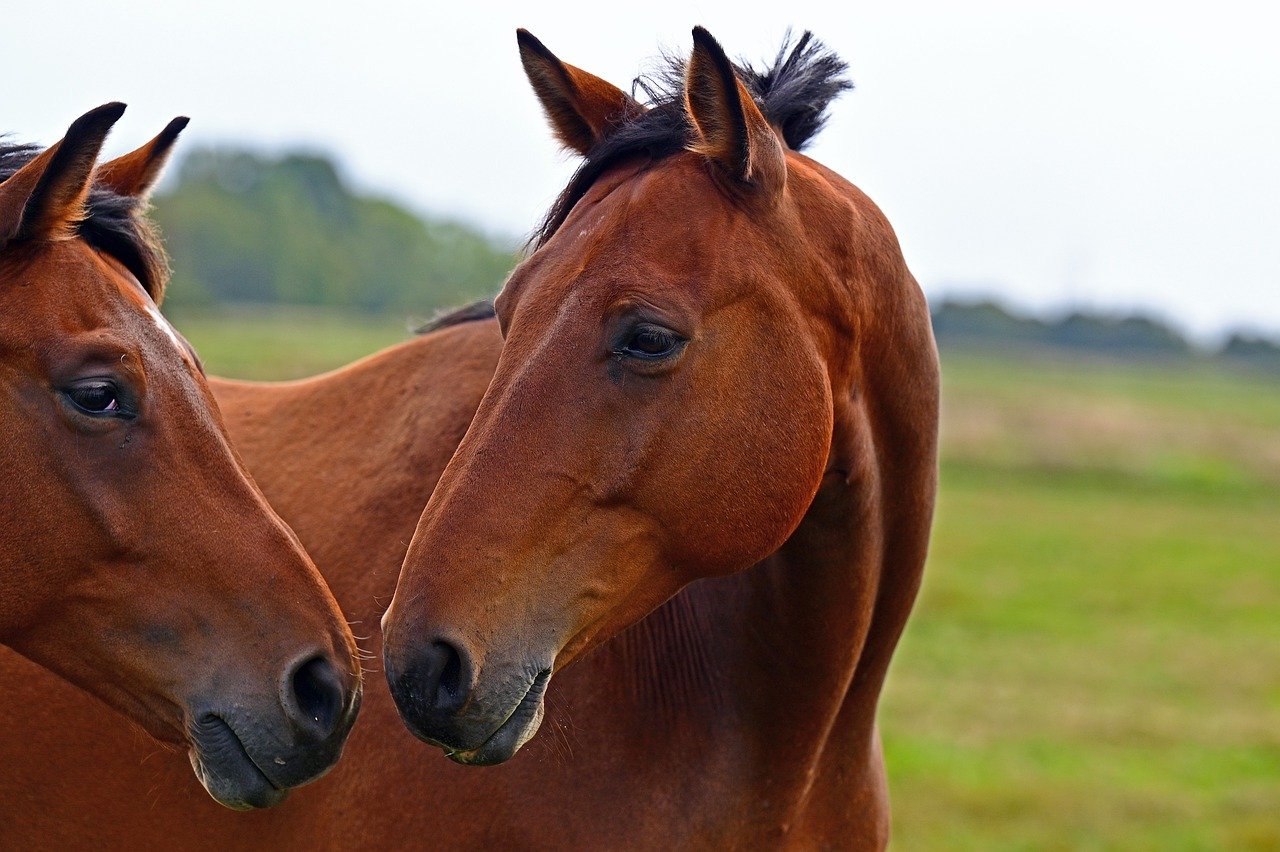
(773, 674)
(769, 653)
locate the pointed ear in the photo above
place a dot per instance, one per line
(729, 128)
(581, 107)
(44, 198)
(136, 173)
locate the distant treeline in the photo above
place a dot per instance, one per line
(246, 228)
(984, 324)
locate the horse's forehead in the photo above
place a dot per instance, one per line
(669, 217)
(49, 286)
(679, 197)
(71, 285)
(670, 228)
(142, 303)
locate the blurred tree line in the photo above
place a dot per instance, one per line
(246, 228)
(984, 324)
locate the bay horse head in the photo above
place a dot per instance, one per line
(139, 560)
(688, 353)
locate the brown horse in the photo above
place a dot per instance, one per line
(352, 458)
(718, 376)
(139, 561)
(740, 711)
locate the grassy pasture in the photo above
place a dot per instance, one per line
(1094, 662)
(270, 343)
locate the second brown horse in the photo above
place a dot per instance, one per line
(137, 558)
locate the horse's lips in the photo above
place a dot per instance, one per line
(516, 730)
(226, 770)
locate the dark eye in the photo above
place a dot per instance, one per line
(650, 342)
(95, 396)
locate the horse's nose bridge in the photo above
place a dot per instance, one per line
(263, 611)
(265, 574)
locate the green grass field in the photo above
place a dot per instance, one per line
(270, 343)
(1094, 662)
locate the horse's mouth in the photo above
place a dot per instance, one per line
(226, 769)
(516, 730)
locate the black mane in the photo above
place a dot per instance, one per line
(474, 312)
(793, 93)
(113, 224)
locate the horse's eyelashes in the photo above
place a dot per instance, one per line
(98, 397)
(650, 342)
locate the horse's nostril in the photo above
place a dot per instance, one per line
(315, 696)
(450, 685)
(437, 679)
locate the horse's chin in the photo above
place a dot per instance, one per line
(503, 744)
(226, 770)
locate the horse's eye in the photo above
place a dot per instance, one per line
(651, 342)
(95, 396)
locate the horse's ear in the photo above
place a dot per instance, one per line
(729, 128)
(136, 173)
(44, 198)
(581, 107)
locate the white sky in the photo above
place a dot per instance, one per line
(1103, 154)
